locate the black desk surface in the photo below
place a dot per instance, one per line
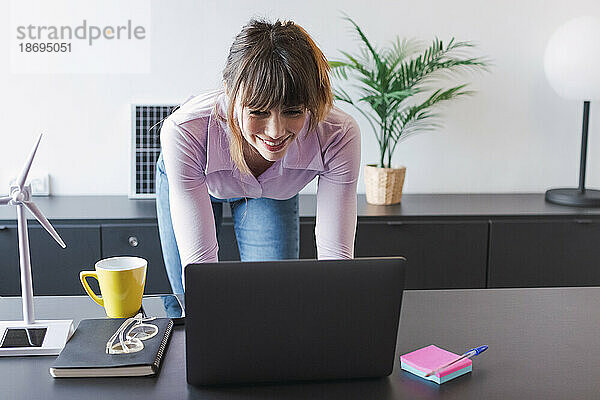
(544, 344)
(413, 206)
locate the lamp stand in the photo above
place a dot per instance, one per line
(580, 197)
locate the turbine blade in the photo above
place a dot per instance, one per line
(23, 177)
(5, 200)
(45, 223)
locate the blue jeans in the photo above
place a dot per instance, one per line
(265, 229)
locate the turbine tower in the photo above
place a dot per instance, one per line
(30, 337)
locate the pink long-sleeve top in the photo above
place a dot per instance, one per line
(195, 147)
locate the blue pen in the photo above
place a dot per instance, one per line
(468, 354)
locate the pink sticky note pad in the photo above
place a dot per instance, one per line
(422, 361)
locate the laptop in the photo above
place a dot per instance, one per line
(279, 321)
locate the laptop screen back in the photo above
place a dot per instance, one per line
(292, 320)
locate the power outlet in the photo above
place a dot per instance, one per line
(40, 184)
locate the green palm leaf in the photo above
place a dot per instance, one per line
(389, 80)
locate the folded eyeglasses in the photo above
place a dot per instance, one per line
(131, 333)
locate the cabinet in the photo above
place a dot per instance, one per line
(440, 255)
(54, 270)
(308, 245)
(139, 240)
(228, 248)
(530, 253)
(10, 285)
(449, 240)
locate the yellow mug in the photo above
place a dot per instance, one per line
(122, 281)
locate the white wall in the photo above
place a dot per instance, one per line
(515, 135)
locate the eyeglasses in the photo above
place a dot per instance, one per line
(131, 333)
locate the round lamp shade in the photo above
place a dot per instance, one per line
(572, 59)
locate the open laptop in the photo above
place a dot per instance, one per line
(277, 321)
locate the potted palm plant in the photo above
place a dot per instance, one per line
(398, 97)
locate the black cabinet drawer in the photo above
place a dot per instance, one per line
(441, 255)
(536, 253)
(55, 270)
(140, 240)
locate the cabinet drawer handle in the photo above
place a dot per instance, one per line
(395, 223)
(133, 241)
(583, 221)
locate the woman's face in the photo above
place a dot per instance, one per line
(272, 131)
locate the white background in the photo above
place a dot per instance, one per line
(514, 135)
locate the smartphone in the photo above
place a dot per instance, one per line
(164, 306)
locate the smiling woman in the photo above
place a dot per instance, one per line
(254, 144)
(273, 67)
(268, 134)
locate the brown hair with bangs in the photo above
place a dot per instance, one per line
(274, 65)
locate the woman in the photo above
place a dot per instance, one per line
(254, 145)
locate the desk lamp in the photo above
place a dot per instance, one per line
(30, 337)
(572, 65)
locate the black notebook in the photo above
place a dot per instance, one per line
(85, 355)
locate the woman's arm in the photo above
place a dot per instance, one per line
(191, 211)
(336, 196)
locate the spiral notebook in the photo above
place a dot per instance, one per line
(85, 355)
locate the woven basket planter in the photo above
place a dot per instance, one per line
(384, 185)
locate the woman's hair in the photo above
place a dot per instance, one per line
(274, 65)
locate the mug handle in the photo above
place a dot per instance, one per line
(91, 274)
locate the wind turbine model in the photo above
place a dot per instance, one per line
(30, 337)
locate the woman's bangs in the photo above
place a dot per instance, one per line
(272, 86)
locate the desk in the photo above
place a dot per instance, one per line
(544, 344)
